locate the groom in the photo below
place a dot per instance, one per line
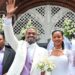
(28, 53)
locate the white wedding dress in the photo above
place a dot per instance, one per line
(61, 63)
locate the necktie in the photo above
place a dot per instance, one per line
(27, 66)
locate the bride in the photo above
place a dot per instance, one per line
(62, 58)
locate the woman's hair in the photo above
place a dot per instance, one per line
(57, 31)
(62, 44)
(62, 35)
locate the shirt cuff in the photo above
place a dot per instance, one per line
(7, 21)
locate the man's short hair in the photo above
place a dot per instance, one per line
(2, 33)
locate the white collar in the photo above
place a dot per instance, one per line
(32, 45)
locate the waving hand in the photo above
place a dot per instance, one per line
(10, 7)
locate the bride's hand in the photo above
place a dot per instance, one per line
(10, 7)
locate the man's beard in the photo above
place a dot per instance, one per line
(31, 42)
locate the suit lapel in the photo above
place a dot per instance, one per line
(19, 60)
(6, 54)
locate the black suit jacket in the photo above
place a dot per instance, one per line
(8, 59)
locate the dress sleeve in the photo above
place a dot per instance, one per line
(71, 57)
(9, 34)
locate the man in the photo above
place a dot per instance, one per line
(6, 55)
(28, 53)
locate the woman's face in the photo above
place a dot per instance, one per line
(57, 38)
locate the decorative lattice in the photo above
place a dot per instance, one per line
(22, 22)
(54, 10)
(68, 15)
(45, 18)
(41, 10)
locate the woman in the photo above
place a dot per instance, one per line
(67, 44)
(60, 56)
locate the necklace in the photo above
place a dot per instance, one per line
(57, 52)
(57, 48)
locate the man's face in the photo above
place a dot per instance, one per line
(31, 35)
(2, 41)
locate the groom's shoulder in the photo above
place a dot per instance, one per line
(42, 48)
